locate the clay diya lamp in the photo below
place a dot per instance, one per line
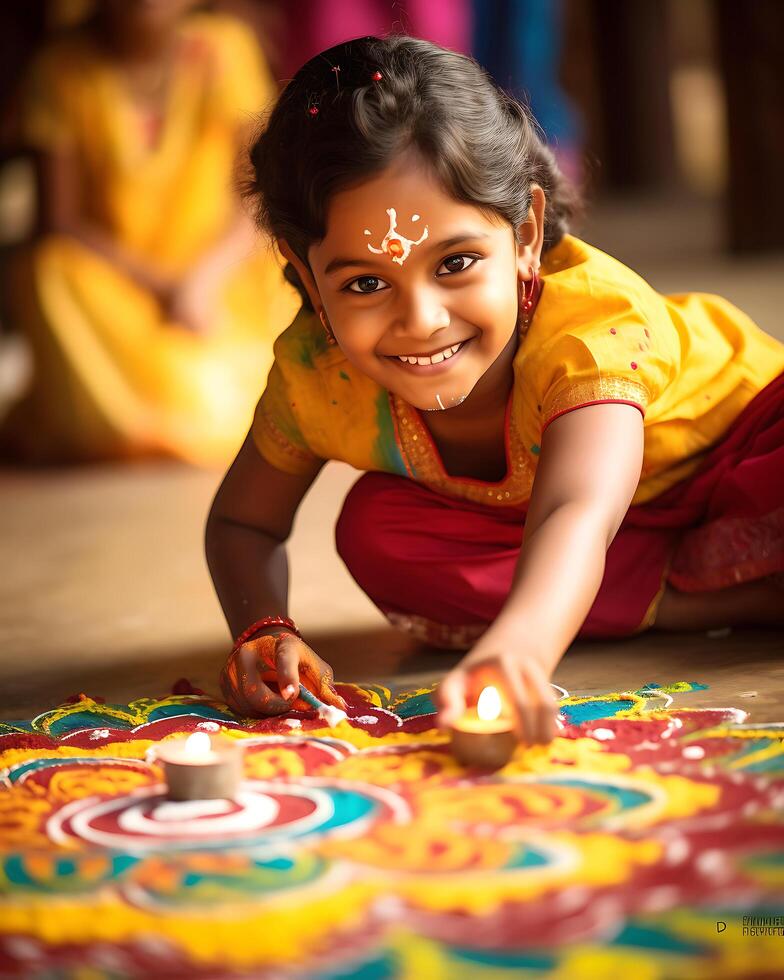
(201, 767)
(484, 736)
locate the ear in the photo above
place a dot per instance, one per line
(304, 273)
(531, 235)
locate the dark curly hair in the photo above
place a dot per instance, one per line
(483, 145)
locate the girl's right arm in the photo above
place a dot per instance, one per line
(245, 540)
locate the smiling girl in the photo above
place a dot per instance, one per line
(552, 448)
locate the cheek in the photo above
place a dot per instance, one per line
(359, 342)
(493, 308)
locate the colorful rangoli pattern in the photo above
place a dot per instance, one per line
(634, 845)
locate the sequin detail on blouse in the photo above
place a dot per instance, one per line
(421, 456)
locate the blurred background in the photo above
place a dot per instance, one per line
(137, 310)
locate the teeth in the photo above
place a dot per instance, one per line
(435, 359)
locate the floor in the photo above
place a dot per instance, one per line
(104, 588)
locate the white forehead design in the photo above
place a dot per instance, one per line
(395, 244)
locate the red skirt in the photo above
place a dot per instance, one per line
(442, 568)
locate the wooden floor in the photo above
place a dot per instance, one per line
(104, 589)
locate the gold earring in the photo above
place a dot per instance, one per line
(327, 328)
(528, 292)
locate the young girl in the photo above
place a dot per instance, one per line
(510, 390)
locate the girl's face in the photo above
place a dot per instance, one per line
(421, 290)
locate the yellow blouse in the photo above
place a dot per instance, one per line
(600, 333)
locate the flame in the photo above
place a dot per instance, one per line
(488, 707)
(198, 744)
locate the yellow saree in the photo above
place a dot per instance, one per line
(113, 375)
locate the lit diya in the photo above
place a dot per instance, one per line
(201, 766)
(484, 736)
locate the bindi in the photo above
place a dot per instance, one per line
(394, 244)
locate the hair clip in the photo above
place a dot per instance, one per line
(376, 76)
(313, 110)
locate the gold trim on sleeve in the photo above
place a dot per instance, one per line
(270, 429)
(596, 390)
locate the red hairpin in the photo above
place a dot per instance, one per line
(313, 110)
(376, 76)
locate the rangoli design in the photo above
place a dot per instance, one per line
(635, 843)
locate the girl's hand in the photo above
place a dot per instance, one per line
(522, 682)
(284, 659)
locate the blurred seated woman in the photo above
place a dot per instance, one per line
(149, 309)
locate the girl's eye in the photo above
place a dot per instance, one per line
(366, 284)
(457, 263)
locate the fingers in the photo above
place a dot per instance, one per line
(284, 658)
(252, 700)
(523, 685)
(245, 691)
(287, 666)
(319, 677)
(323, 686)
(229, 687)
(263, 650)
(544, 702)
(451, 697)
(533, 701)
(264, 701)
(329, 695)
(524, 712)
(326, 689)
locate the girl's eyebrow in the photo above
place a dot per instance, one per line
(338, 264)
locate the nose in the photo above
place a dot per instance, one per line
(421, 315)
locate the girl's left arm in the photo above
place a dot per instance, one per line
(588, 471)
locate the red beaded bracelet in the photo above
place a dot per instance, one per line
(260, 624)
